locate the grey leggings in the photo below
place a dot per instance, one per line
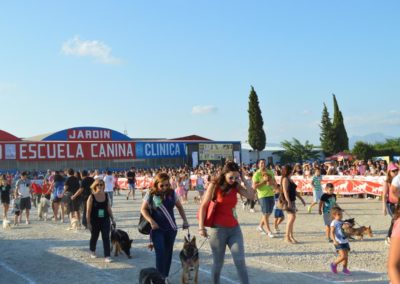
(233, 238)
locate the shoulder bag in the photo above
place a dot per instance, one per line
(144, 226)
(210, 211)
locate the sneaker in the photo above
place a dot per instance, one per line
(329, 240)
(27, 222)
(252, 211)
(261, 230)
(107, 260)
(346, 271)
(309, 209)
(334, 268)
(271, 235)
(93, 254)
(387, 241)
(127, 197)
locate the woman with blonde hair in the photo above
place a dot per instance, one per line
(226, 230)
(158, 209)
(98, 217)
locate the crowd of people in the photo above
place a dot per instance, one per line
(85, 198)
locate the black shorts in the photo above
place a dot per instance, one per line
(5, 197)
(75, 205)
(25, 203)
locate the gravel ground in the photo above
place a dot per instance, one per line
(45, 252)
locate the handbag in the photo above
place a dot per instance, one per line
(210, 211)
(282, 204)
(144, 226)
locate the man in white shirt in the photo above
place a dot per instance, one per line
(23, 189)
(109, 186)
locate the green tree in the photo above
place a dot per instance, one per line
(363, 151)
(341, 138)
(327, 136)
(257, 139)
(297, 152)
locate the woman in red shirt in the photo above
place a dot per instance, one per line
(226, 230)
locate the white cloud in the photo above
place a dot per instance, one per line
(306, 112)
(204, 109)
(91, 48)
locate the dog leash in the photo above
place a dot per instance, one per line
(351, 217)
(198, 249)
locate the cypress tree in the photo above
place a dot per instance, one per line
(327, 136)
(341, 141)
(257, 139)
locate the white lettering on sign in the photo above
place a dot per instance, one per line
(89, 134)
(51, 151)
(162, 149)
(79, 152)
(111, 150)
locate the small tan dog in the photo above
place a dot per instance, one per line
(75, 225)
(44, 206)
(358, 232)
(197, 199)
(6, 224)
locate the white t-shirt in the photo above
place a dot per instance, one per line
(339, 234)
(109, 183)
(396, 181)
(23, 187)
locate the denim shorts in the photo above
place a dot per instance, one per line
(317, 195)
(327, 219)
(345, 246)
(278, 213)
(267, 204)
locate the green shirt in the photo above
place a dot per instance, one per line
(264, 190)
(316, 182)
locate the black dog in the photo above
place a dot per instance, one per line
(121, 241)
(150, 276)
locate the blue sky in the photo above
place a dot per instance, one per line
(175, 68)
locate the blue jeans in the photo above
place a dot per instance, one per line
(163, 242)
(220, 238)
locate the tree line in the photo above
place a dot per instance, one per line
(333, 137)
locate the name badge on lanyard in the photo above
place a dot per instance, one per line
(100, 213)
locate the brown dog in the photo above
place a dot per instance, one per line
(358, 232)
(189, 257)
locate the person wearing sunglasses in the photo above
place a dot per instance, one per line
(158, 209)
(98, 217)
(226, 230)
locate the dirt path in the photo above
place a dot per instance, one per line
(45, 252)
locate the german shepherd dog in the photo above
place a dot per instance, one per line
(121, 241)
(189, 257)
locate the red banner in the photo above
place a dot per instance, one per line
(45, 151)
(344, 185)
(141, 183)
